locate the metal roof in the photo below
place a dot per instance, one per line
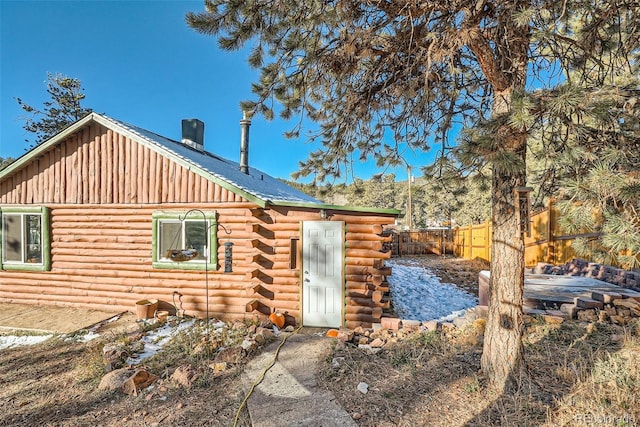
(255, 186)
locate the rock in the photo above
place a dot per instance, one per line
(363, 387)
(114, 356)
(129, 381)
(376, 343)
(363, 340)
(460, 322)
(431, 325)
(345, 335)
(551, 319)
(336, 362)
(390, 323)
(618, 320)
(624, 312)
(266, 333)
(289, 328)
(411, 325)
(588, 316)
(571, 310)
(237, 325)
(230, 355)
(185, 376)
(340, 346)
(384, 334)
(266, 323)
(113, 380)
(260, 339)
(248, 345)
(356, 416)
(632, 305)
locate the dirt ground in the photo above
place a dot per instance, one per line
(426, 379)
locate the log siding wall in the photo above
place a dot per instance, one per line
(99, 166)
(101, 258)
(103, 188)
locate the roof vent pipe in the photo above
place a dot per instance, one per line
(193, 133)
(244, 143)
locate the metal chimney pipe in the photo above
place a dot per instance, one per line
(244, 143)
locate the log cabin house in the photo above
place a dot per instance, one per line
(106, 214)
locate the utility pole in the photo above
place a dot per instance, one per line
(409, 207)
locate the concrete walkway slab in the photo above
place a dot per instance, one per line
(49, 319)
(289, 395)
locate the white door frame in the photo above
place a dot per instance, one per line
(322, 273)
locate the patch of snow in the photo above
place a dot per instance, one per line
(418, 294)
(88, 337)
(156, 339)
(10, 341)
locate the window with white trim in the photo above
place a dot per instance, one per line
(184, 242)
(25, 239)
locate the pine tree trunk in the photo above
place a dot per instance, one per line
(502, 357)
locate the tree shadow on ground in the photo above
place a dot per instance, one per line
(47, 384)
(421, 384)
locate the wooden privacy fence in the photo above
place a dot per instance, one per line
(421, 242)
(548, 242)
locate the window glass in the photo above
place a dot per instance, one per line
(196, 237)
(12, 238)
(33, 234)
(170, 237)
(177, 235)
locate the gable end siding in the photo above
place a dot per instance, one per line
(99, 166)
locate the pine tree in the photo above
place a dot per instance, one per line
(383, 77)
(63, 109)
(5, 161)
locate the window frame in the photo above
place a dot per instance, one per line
(210, 217)
(45, 238)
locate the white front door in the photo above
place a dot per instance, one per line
(322, 279)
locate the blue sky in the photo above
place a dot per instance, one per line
(140, 63)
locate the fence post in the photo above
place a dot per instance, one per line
(487, 241)
(551, 241)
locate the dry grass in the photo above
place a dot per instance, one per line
(55, 383)
(576, 372)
